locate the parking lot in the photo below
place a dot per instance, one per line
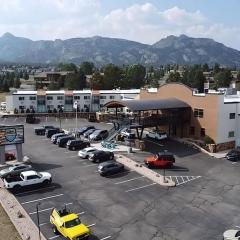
(203, 205)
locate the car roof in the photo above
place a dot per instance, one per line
(29, 173)
(104, 164)
(89, 148)
(164, 153)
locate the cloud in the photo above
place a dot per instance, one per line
(80, 18)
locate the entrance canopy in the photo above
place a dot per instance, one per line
(145, 105)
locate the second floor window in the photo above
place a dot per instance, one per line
(59, 97)
(198, 112)
(111, 97)
(86, 97)
(49, 98)
(231, 115)
(21, 98)
(31, 98)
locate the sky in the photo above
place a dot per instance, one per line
(138, 20)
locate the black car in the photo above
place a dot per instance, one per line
(101, 156)
(77, 144)
(89, 132)
(42, 130)
(82, 130)
(62, 141)
(32, 119)
(55, 137)
(110, 167)
(52, 131)
(98, 135)
(233, 155)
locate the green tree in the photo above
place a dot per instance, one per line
(199, 80)
(16, 83)
(112, 76)
(174, 77)
(97, 82)
(25, 76)
(223, 78)
(5, 86)
(135, 76)
(205, 67)
(87, 68)
(75, 80)
(67, 67)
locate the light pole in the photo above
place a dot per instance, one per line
(75, 105)
(60, 110)
(39, 233)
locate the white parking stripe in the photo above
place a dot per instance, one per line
(132, 179)
(37, 190)
(72, 156)
(57, 236)
(176, 180)
(91, 225)
(133, 189)
(66, 151)
(40, 199)
(106, 238)
(90, 165)
(237, 226)
(47, 209)
(42, 224)
(81, 213)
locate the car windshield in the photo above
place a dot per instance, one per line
(72, 223)
(39, 175)
(237, 234)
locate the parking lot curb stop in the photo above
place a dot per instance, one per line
(157, 178)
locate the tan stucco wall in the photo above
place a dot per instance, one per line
(209, 103)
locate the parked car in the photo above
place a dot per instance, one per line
(126, 132)
(82, 130)
(14, 170)
(160, 160)
(110, 167)
(101, 156)
(84, 153)
(231, 235)
(52, 131)
(42, 130)
(30, 118)
(68, 224)
(157, 135)
(77, 144)
(98, 135)
(233, 155)
(55, 137)
(89, 132)
(9, 156)
(62, 141)
(27, 178)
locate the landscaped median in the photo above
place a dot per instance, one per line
(19, 217)
(141, 169)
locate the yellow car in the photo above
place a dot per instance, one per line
(68, 225)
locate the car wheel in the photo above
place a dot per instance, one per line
(73, 148)
(55, 230)
(46, 182)
(17, 187)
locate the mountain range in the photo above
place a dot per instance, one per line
(182, 50)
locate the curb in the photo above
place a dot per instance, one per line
(141, 169)
(18, 216)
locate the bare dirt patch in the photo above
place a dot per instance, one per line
(8, 231)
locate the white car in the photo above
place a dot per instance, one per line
(231, 235)
(84, 153)
(126, 132)
(156, 135)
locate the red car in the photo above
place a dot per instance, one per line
(160, 160)
(9, 156)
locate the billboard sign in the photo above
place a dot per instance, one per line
(11, 134)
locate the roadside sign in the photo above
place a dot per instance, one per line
(11, 134)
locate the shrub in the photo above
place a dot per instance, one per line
(208, 140)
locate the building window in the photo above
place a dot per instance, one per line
(111, 97)
(192, 131)
(77, 97)
(202, 133)
(231, 134)
(21, 98)
(22, 107)
(86, 97)
(32, 98)
(59, 97)
(49, 98)
(231, 115)
(103, 97)
(198, 113)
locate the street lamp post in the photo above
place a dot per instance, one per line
(60, 110)
(39, 232)
(75, 105)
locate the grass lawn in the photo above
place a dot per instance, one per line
(8, 231)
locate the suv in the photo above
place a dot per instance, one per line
(82, 130)
(89, 132)
(42, 130)
(160, 160)
(62, 141)
(157, 135)
(77, 144)
(233, 155)
(52, 131)
(98, 135)
(101, 156)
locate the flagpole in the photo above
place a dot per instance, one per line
(76, 117)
